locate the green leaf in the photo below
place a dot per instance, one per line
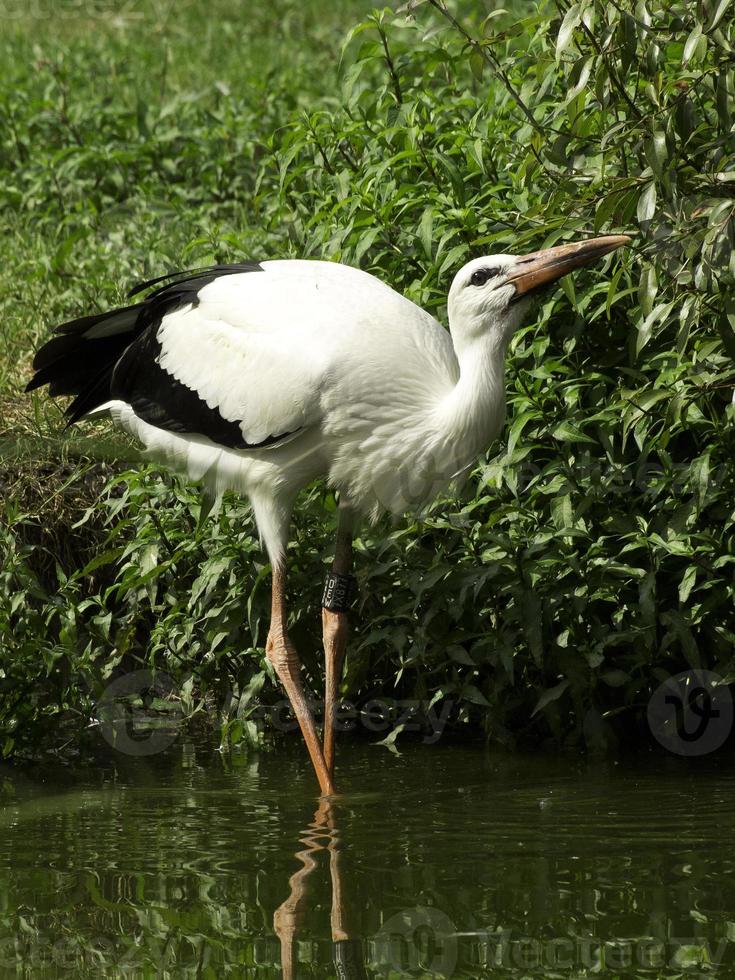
(549, 695)
(532, 626)
(657, 315)
(699, 476)
(562, 512)
(517, 426)
(426, 227)
(567, 285)
(615, 678)
(657, 153)
(389, 742)
(475, 695)
(718, 14)
(691, 43)
(567, 432)
(460, 655)
(647, 288)
(687, 583)
(566, 31)
(477, 63)
(647, 203)
(487, 24)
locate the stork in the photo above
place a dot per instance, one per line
(261, 377)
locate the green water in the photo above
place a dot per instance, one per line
(444, 862)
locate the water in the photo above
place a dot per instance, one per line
(446, 861)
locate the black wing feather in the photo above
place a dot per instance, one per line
(191, 275)
(125, 364)
(161, 400)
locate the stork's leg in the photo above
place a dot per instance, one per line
(288, 918)
(282, 654)
(335, 626)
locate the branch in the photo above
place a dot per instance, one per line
(391, 66)
(494, 64)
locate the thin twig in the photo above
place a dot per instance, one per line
(159, 527)
(391, 66)
(493, 63)
(322, 152)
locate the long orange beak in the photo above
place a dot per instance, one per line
(541, 268)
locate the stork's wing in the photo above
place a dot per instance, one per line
(238, 354)
(205, 369)
(191, 357)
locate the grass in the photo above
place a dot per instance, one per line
(131, 142)
(592, 553)
(116, 120)
(113, 141)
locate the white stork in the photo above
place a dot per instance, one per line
(262, 377)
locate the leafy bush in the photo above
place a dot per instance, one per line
(592, 554)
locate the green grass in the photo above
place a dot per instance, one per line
(124, 143)
(131, 145)
(592, 553)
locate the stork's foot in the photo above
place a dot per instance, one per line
(282, 655)
(335, 630)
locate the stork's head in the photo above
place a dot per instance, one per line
(492, 293)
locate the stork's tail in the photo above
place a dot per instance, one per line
(80, 358)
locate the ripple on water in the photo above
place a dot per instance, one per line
(193, 853)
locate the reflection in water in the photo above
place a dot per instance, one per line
(456, 863)
(321, 835)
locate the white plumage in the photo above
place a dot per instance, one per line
(263, 377)
(361, 383)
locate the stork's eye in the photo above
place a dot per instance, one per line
(481, 276)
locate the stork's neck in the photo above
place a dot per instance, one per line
(472, 414)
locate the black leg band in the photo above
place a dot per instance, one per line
(339, 591)
(349, 959)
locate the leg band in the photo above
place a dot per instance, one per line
(349, 959)
(339, 591)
